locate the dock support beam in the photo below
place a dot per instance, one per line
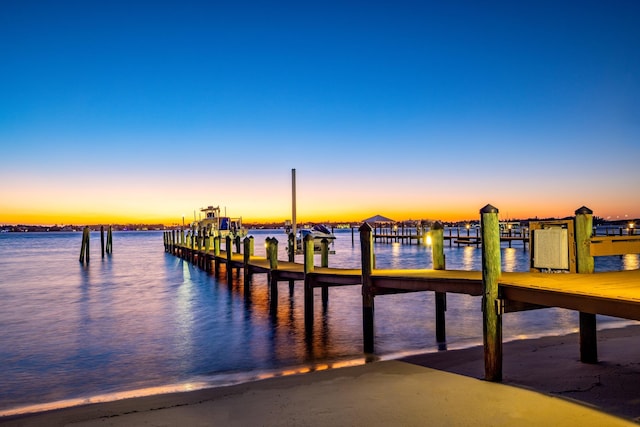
(324, 262)
(291, 250)
(307, 248)
(366, 244)
(229, 252)
(491, 304)
(437, 256)
(216, 254)
(585, 264)
(247, 242)
(272, 255)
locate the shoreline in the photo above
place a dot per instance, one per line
(547, 367)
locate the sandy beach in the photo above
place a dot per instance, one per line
(544, 384)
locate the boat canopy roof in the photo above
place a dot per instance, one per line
(321, 228)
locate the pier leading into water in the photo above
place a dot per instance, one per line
(550, 283)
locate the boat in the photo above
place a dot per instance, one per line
(319, 232)
(223, 226)
(510, 227)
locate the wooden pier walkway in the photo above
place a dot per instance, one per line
(611, 293)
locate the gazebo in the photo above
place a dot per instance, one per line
(378, 219)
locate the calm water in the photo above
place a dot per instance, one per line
(141, 321)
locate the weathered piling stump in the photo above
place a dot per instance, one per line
(102, 240)
(109, 248)
(84, 248)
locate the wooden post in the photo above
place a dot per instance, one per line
(237, 242)
(216, 255)
(366, 245)
(229, 251)
(272, 253)
(251, 246)
(216, 246)
(324, 262)
(207, 241)
(84, 247)
(291, 247)
(307, 248)
(437, 256)
(492, 306)
(247, 269)
(110, 240)
(193, 242)
(585, 265)
(102, 239)
(291, 251)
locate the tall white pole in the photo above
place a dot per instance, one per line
(293, 201)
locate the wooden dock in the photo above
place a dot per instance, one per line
(612, 293)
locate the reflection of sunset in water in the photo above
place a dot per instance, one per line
(146, 321)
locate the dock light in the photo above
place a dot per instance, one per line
(428, 239)
(468, 226)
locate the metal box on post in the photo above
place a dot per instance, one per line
(553, 246)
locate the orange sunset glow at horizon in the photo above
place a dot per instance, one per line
(168, 213)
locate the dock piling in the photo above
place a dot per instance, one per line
(366, 244)
(272, 254)
(229, 252)
(585, 264)
(491, 305)
(438, 260)
(307, 248)
(102, 240)
(84, 248)
(110, 240)
(247, 242)
(324, 262)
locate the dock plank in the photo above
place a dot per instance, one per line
(611, 293)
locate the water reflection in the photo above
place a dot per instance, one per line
(509, 260)
(184, 313)
(468, 258)
(630, 262)
(143, 318)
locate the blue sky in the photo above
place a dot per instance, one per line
(408, 109)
